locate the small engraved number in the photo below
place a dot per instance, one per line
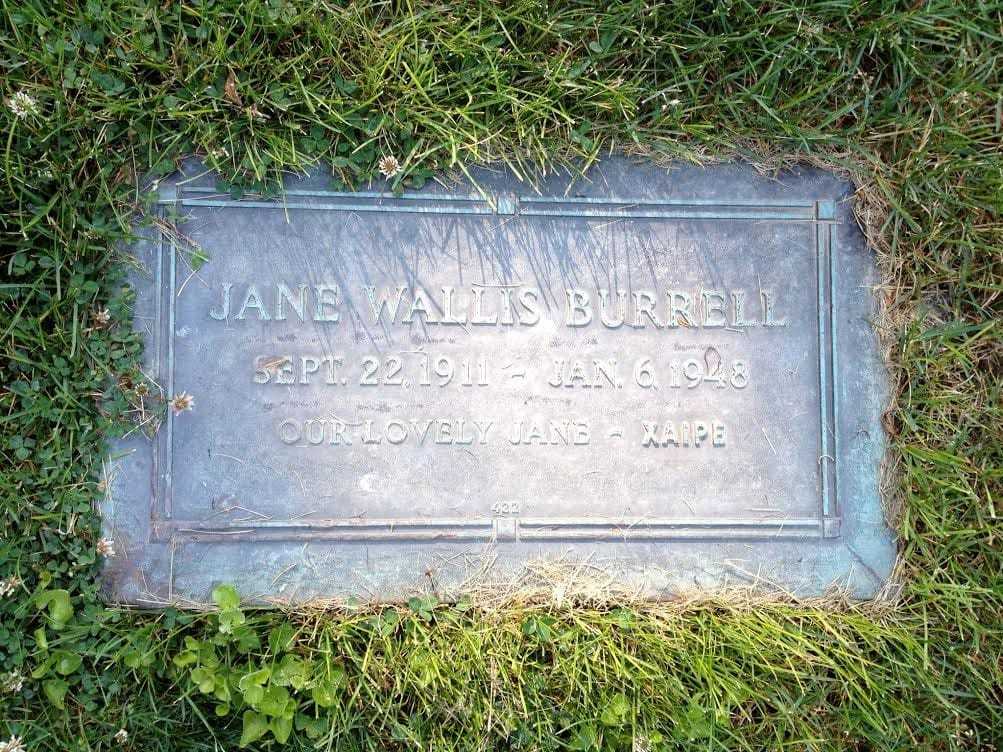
(392, 371)
(472, 371)
(712, 359)
(444, 369)
(505, 507)
(739, 374)
(693, 373)
(674, 374)
(370, 367)
(696, 373)
(644, 376)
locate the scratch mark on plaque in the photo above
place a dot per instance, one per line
(249, 511)
(768, 439)
(344, 422)
(756, 578)
(291, 472)
(219, 511)
(518, 373)
(188, 279)
(369, 590)
(251, 519)
(620, 220)
(307, 559)
(501, 225)
(864, 564)
(283, 572)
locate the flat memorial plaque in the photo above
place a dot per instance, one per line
(669, 375)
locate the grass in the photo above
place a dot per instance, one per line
(906, 96)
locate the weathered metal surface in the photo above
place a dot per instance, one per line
(669, 374)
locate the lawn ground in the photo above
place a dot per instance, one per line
(907, 97)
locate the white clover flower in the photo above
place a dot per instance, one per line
(9, 585)
(106, 547)
(389, 166)
(182, 401)
(22, 105)
(121, 736)
(13, 683)
(101, 317)
(14, 744)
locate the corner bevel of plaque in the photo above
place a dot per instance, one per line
(800, 226)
